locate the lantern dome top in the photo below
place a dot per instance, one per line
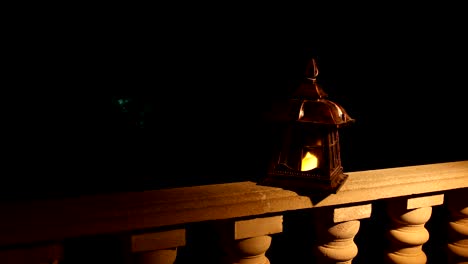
(321, 111)
(309, 103)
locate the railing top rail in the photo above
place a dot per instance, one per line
(48, 220)
(401, 181)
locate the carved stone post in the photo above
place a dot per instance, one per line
(336, 228)
(157, 247)
(457, 203)
(41, 254)
(246, 241)
(407, 232)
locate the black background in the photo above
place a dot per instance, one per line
(206, 80)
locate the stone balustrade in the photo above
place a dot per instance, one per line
(243, 219)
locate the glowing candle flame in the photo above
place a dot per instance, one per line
(309, 162)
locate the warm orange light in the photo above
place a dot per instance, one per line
(309, 162)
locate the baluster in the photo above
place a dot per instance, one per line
(157, 247)
(246, 241)
(336, 229)
(457, 203)
(40, 254)
(407, 232)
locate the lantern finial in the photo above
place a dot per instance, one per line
(309, 88)
(312, 70)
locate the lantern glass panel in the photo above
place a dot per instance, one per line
(312, 156)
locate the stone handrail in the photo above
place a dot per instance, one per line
(27, 222)
(420, 187)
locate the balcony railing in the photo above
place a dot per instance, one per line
(412, 214)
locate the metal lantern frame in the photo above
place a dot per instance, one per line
(307, 146)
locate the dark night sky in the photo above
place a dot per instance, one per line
(208, 82)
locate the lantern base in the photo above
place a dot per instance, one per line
(306, 184)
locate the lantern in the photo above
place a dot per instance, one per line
(306, 155)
